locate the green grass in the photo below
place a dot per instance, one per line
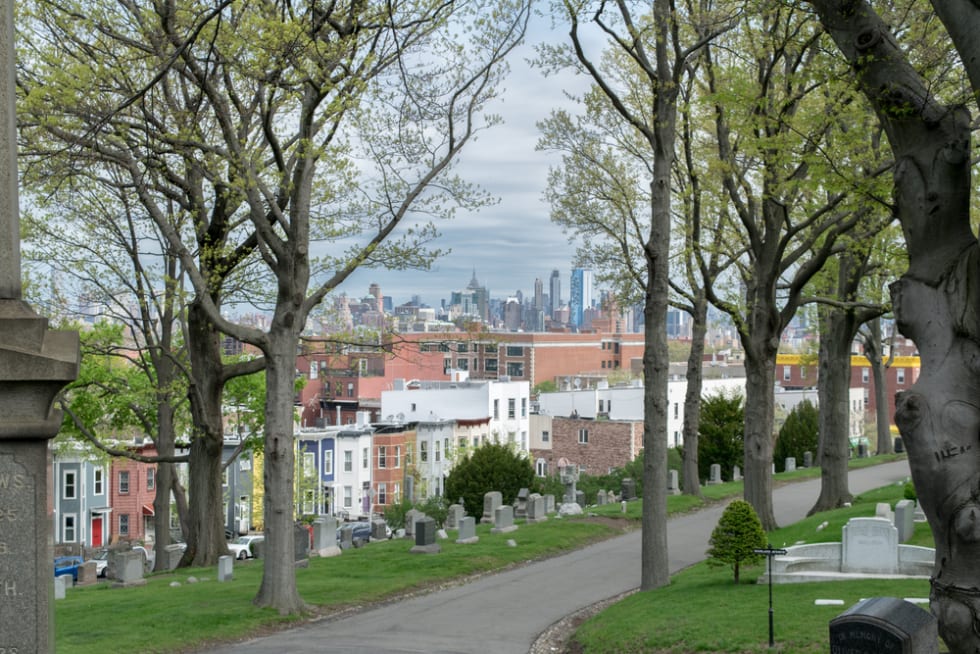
(99, 619)
(702, 610)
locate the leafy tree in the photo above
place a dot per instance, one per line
(436, 507)
(268, 126)
(737, 534)
(395, 513)
(491, 467)
(722, 424)
(797, 435)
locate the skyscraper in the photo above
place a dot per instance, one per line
(580, 295)
(554, 299)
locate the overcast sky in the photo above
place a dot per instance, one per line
(514, 241)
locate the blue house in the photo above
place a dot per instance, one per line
(80, 502)
(316, 463)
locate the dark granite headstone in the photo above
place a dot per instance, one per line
(884, 625)
(899, 445)
(628, 489)
(301, 545)
(425, 537)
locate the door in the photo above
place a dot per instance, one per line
(97, 531)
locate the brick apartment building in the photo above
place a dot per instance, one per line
(595, 446)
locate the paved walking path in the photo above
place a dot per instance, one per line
(503, 613)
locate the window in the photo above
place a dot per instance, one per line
(382, 456)
(350, 389)
(445, 447)
(413, 407)
(511, 407)
(603, 364)
(609, 406)
(309, 464)
(124, 482)
(423, 451)
(515, 368)
(900, 375)
(523, 440)
(382, 493)
(490, 365)
(69, 485)
(348, 460)
(787, 373)
(462, 347)
(313, 369)
(864, 375)
(396, 492)
(68, 528)
(447, 365)
(438, 450)
(348, 497)
(545, 436)
(515, 351)
(490, 348)
(309, 502)
(462, 443)
(463, 364)
(151, 478)
(583, 436)
(364, 458)
(496, 409)
(98, 481)
(443, 347)
(124, 524)
(398, 457)
(541, 467)
(328, 462)
(602, 406)
(677, 410)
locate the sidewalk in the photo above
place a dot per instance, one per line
(503, 613)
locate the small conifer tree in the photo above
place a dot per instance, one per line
(738, 533)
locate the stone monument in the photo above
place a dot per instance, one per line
(35, 363)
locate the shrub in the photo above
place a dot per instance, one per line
(395, 513)
(490, 467)
(798, 434)
(435, 507)
(909, 491)
(737, 534)
(721, 434)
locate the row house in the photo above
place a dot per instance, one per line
(595, 447)
(81, 508)
(440, 442)
(131, 492)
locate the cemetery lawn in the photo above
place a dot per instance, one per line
(702, 610)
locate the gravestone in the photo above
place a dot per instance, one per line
(869, 545)
(454, 515)
(714, 476)
(536, 509)
(905, 519)
(878, 625)
(862, 451)
(88, 574)
(467, 531)
(884, 510)
(491, 501)
(600, 498)
(736, 473)
(226, 568)
(520, 506)
(324, 533)
(35, 363)
(61, 584)
(301, 546)
(569, 477)
(411, 517)
(673, 483)
(549, 503)
(790, 464)
(425, 537)
(172, 554)
(899, 445)
(580, 498)
(379, 530)
(808, 459)
(347, 537)
(503, 521)
(128, 567)
(627, 488)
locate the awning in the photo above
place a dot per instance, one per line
(101, 510)
(148, 509)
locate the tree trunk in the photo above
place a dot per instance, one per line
(692, 398)
(834, 383)
(875, 353)
(760, 373)
(164, 483)
(936, 302)
(278, 589)
(206, 525)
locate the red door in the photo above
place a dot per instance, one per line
(97, 531)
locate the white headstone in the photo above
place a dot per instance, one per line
(869, 545)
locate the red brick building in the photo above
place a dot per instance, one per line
(595, 446)
(390, 450)
(132, 487)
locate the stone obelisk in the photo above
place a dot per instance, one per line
(35, 364)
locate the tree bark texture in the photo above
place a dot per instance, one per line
(935, 301)
(692, 397)
(760, 373)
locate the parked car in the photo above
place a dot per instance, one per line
(241, 547)
(68, 565)
(101, 563)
